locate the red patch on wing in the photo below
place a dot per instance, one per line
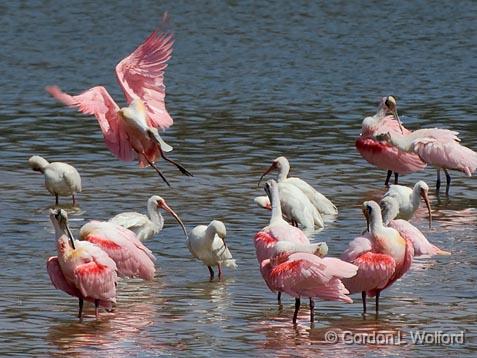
(91, 268)
(265, 238)
(370, 145)
(372, 258)
(286, 267)
(102, 242)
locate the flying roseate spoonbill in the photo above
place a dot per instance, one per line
(132, 258)
(382, 155)
(401, 202)
(280, 237)
(131, 132)
(437, 147)
(81, 269)
(61, 179)
(143, 226)
(207, 244)
(382, 258)
(319, 201)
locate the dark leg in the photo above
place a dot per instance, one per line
(363, 297)
(297, 307)
(294, 223)
(56, 199)
(386, 183)
(396, 178)
(279, 298)
(312, 310)
(96, 308)
(438, 181)
(377, 303)
(448, 178)
(155, 168)
(74, 200)
(180, 167)
(211, 273)
(220, 271)
(80, 312)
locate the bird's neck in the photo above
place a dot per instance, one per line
(283, 173)
(376, 223)
(416, 197)
(155, 216)
(276, 206)
(210, 232)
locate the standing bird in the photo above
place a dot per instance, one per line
(207, 244)
(319, 201)
(143, 226)
(290, 263)
(61, 179)
(382, 155)
(382, 258)
(401, 202)
(437, 147)
(81, 269)
(131, 132)
(132, 258)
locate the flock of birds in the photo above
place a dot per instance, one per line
(89, 268)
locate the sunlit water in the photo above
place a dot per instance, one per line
(247, 83)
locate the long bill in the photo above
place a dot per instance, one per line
(273, 166)
(426, 200)
(70, 235)
(366, 215)
(396, 116)
(178, 219)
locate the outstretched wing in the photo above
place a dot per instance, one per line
(141, 74)
(97, 101)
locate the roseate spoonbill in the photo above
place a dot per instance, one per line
(207, 244)
(382, 258)
(382, 155)
(438, 147)
(81, 269)
(132, 132)
(281, 237)
(143, 226)
(402, 202)
(132, 258)
(319, 201)
(61, 179)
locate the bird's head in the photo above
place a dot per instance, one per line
(219, 228)
(424, 193)
(37, 163)
(59, 219)
(160, 203)
(269, 187)
(389, 105)
(280, 164)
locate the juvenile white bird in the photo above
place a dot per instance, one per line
(207, 244)
(401, 202)
(61, 179)
(319, 201)
(143, 226)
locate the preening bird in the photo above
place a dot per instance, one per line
(131, 133)
(61, 179)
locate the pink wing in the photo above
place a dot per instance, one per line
(132, 258)
(356, 248)
(307, 275)
(374, 273)
(141, 74)
(264, 245)
(58, 279)
(422, 247)
(97, 101)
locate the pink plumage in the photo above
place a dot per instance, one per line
(132, 258)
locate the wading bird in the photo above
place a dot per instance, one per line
(382, 257)
(143, 226)
(61, 179)
(207, 244)
(131, 132)
(81, 269)
(132, 258)
(383, 155)
(401, 202)
(437, 147)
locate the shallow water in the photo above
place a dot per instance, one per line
(247, 83)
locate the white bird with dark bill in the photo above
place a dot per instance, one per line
(207, 244)
(144, 226)
(61, 179)
(401, 202)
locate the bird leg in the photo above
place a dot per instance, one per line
(279, 298)
(312, 310)
(96, 308)
(220, 271)
(438, 181)
(74, 199)
(211, 272)
(180, 167)
(396, 178)
(80, 312)
(56, 199)
(377, 303)
(155, 168)
(297, 307)
(386, 183)
(363, 297)
(448, 178)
